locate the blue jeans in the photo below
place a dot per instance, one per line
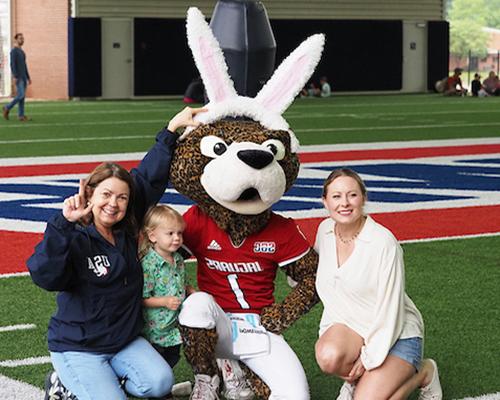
(409, 350)
(20, 94)
(95, 376)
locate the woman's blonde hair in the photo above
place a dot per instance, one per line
(155, 216)
(344, 172)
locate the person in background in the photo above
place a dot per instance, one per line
(371, 332)
(492, 84)
(325, 89)
(89, 254)
(476, 85)
(454, 84)
(21, 78)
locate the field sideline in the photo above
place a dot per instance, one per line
(453, 281)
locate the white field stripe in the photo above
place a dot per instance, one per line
(143, 110)
(14, 275)
(82, 139)
(491, 396)
(307, 104)
(303, 149)
(11, 389)
(18, 327)
(4, 162)
(361, 116)
(89, 123)
(395, 145)
(159, 121)
(479, 235)
(25, 361)
(396, 127)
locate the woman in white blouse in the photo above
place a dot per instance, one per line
(371, 333)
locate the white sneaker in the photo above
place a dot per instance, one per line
(205, 387)
(182, 389)
(346, 391)
(235, 384)
(432, 391)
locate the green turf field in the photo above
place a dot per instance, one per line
(123, 126)
(454, 283)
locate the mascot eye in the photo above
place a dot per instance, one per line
(212, 146)
(276, 147)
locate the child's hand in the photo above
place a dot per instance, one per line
(172, 302)
(76, 207)
(185, 118)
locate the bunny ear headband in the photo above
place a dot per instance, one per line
(272, 100)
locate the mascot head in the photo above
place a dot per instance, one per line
(243, 158)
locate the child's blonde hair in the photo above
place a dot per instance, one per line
(155, 216)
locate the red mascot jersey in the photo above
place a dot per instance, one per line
(241, 278)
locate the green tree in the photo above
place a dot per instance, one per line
(467, 20)
(493, 13)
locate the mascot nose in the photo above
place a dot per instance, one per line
(257, 159)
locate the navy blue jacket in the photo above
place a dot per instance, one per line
(99, 304)
(18, 65)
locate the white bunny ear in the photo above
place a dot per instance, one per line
(291, 76)
(208, 57)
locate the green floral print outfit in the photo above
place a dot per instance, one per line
(161, 278)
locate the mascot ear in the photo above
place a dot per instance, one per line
(291, 76)
(208, 57)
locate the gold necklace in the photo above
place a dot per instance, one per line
(347, 241)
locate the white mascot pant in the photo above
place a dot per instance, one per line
(280, 369)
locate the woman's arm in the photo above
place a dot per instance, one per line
(50, 265)
(389, 310)
(151, 176)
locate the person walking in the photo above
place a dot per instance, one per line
(21, 78)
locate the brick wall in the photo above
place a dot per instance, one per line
(44, 24)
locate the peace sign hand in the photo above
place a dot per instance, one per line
(74, 206)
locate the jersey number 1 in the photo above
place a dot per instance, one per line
(233, 282)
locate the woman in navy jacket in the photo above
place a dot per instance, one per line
(89, 255)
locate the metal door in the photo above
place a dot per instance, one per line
(117, 58)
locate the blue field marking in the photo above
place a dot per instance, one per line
(387, 182)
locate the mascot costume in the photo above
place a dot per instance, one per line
(235, 166)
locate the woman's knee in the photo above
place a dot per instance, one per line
(158, 384)
(330, 358)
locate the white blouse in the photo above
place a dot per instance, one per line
(367, 292)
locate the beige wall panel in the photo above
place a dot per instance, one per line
(277, 9)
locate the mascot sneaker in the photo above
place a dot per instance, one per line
(235, 384)
(432, 391)
(205, 387)
(54, 389)
(346, 391)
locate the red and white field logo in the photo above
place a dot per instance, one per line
(420, 190)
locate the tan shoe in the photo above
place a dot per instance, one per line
(5, 112)
(24, 118)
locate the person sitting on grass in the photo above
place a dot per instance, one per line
(454, 84)
(371, 332)
(89, 254)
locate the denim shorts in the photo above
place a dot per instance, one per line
(410, 350)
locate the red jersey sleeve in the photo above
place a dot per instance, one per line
(293, 244)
